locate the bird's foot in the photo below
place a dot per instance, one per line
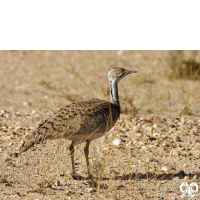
(76, 176)
(90, 176)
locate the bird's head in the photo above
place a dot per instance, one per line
(117, 73)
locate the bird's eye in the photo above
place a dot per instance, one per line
(118, 72)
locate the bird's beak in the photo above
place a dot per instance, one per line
(129, 72)
(133, 71)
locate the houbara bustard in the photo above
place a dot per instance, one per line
(82, 121)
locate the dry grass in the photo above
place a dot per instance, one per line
(159, 126)
(184, 68)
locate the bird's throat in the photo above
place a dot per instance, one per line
(114, 92)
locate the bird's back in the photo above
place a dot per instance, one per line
(77, 120)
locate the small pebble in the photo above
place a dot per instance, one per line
(12, 132)
(10, 144)
(117, 142)
(167, 168)
(62, 182)
(155, 126)
(138, 135)
(173, 198)
(57, 183)
(160, 197)
(156, 134)
(195, 177)
(133, 165)
(177, 138)
(33, 112)
(186, 177)
(26, 103)
(62, 173)
(91, 190)
(175, 153)
(196, 152)
(143, 147)
(18, 128)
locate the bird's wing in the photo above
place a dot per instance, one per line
(85, 116)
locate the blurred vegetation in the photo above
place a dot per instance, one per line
(166, 82)
(183, 68)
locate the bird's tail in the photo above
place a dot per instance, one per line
(36, 138)
(43, 132)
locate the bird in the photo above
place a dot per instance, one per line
(82, 121)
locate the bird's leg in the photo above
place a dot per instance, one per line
(86, 151)
(71, 150)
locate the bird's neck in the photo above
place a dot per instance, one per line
(114, 98)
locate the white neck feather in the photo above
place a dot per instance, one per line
(114, 92)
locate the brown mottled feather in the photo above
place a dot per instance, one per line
(88, 119)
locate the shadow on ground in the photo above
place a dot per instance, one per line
(148, 175)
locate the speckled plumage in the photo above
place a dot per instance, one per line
(82, 121)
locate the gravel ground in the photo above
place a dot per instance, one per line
(153, 148)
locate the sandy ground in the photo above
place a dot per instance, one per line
(158, 130)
